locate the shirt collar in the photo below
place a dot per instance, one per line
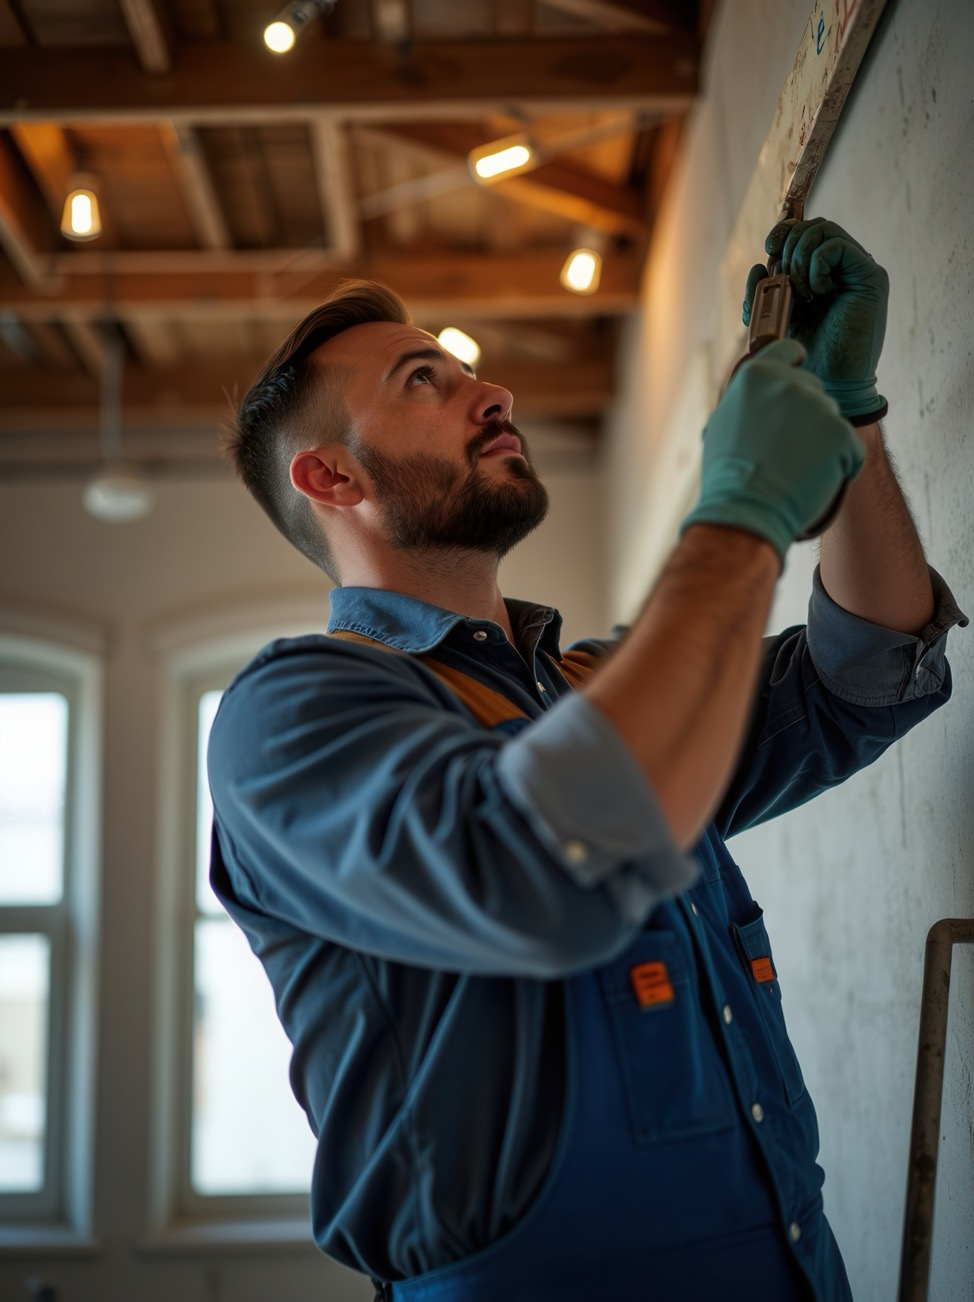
(416, 627)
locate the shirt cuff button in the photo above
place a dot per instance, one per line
(575, 851)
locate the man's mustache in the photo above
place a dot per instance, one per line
(492, 430)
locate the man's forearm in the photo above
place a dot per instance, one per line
(872, 559)
(680, 687)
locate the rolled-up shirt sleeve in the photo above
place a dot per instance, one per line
(354, 800)
(866, 664)
(834, 695)
(582, 792)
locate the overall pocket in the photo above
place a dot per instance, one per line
(672, 1073)
(755, 951)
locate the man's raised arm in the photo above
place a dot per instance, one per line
(680, 688)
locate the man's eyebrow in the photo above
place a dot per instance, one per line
(427, 355)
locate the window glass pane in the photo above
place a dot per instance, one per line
(24, 982)
(33, 763)
(249, 1135)
(206, 901)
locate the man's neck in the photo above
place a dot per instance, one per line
(465, 582)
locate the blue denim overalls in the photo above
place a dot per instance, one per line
(685, 1168)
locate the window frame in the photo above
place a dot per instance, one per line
(198, 658)
(62, 1207)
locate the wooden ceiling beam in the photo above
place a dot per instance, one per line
(482, 285)
(26, 227)
(147, 28)
(220, 81)
(392, 20)
(16, 341)
(612, 16)
(11, 30)
(53, 345)
(185, 151)
(273, 261)
(156, 342)
(88, 341)
(188, 394)
(513, 17)
(333, 176)
(46, 151)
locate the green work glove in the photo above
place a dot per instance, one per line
(838, 313)
(776, 451)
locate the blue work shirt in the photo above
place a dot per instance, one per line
(421, 890)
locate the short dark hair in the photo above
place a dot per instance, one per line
(292, 402)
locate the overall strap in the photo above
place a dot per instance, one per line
(576, 667)
(488, 707)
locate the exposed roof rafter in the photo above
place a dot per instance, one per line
(183, 146)
(238, 190)
(221, 81)
(485, 285)
(147, 29)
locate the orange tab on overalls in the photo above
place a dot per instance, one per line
(652, 984)
(763, 969)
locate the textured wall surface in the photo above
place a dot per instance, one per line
(852, 883)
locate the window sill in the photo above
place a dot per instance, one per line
(28, 1239)
(188, 1237)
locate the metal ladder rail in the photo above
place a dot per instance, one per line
(927, 1101)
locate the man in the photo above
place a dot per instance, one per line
(535, 1015)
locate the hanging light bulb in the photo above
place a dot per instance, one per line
(502, 158)
(460, 345)
(582, 271)
(81, 218)
(281, 34)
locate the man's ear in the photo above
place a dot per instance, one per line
(327, 475)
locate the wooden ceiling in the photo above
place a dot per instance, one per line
(239, 187)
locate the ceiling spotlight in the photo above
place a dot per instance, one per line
(279, 37)
(281, 34)
(81, 218)
(502, 158)
(460, 345)
(582, 271)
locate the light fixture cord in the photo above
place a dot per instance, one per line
(112, 369)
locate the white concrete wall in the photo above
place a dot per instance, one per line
(205, 553)
(852, 883)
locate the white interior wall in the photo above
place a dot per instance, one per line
(851, 883)
(205, 555)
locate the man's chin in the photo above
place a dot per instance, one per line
(500, 467)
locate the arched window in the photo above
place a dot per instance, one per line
(49, 801)
(235, 1144)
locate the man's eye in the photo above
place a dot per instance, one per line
(421, 375)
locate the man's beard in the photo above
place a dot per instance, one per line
(431, 504)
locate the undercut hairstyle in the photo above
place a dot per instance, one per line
(294, 404)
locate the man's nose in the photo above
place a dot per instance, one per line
(493, 402)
